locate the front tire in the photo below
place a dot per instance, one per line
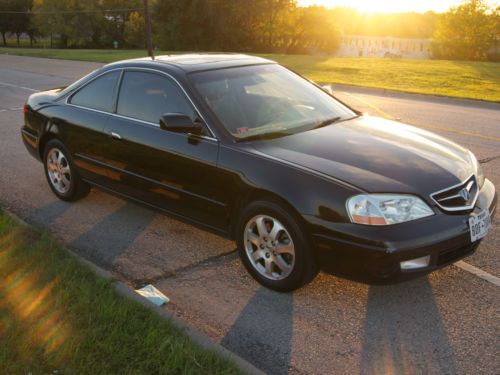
(61, 173)
(274, 248)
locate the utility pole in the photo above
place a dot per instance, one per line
(149, 38)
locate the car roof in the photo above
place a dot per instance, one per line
(198, 61)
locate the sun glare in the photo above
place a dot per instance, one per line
(386, 6)
(26, 294)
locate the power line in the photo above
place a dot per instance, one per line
(73, 11)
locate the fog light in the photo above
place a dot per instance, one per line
(416, 263)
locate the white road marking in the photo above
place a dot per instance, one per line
(10, 109)
(19, 87)
(478, 272)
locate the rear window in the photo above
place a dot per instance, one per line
(98, 94)
(74, 85)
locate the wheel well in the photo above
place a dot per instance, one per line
(43, 141)
(255, 195)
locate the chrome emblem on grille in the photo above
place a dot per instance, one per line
(448, 199)
(464, 194)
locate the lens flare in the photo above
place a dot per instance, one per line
(30, 296)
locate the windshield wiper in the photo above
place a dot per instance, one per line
(326, 122)
(269, 135)
(278, 134)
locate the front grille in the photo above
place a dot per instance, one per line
(449, 256)
(459, 197)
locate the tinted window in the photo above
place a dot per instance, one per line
(98, 94)
(147, 96)
(255, 101)
(75, 84)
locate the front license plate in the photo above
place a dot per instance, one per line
(479, 225)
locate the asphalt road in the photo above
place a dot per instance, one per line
(445, 323)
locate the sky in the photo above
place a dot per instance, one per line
(392, 6)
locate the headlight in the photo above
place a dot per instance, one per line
(385, 209)
(478, 170)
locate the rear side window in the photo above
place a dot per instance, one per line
(147, 96)
(98, 94)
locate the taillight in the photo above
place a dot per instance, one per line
(25, 108)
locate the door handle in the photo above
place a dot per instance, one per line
(116, 136)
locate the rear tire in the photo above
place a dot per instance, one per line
(274, 248)
(61, 173)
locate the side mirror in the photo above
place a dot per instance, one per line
(180, 123)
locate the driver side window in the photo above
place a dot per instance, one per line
(146, 96)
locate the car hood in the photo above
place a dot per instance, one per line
(375, 155)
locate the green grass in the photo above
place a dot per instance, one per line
(57, 316)
(22, 43)
(96, 55)
(461, 79)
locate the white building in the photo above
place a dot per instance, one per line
(372, 46)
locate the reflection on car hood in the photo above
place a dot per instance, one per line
(376, 155)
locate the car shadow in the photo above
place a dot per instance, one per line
(112, 236)
(259, 337)
(403, 332)
(48, 214)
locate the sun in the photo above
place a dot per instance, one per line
(386, 6)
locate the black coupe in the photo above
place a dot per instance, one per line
(249, 149)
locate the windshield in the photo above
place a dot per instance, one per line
(266, 101)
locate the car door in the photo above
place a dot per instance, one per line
(83, 121)
(173, 171)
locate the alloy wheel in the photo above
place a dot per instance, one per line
(58, 170)
(269, 247)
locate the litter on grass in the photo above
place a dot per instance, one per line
(153, 294)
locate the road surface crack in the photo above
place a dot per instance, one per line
(139, 283)
(487, 160)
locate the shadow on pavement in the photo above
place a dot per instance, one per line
(403, 332)
(259, 337)
(46, 215)
(111, 236)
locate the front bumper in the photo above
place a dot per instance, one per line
(373, 254)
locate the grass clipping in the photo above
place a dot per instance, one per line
(56, 316)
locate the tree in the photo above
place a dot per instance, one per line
(71, 20)
(20, 22)
(312, 30)
(234, 25)
(275, 13)
(5, 19)
(134, 33)
(112, 25)
(467, 32)
(84, 23)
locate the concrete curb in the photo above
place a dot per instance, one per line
(121, 288)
